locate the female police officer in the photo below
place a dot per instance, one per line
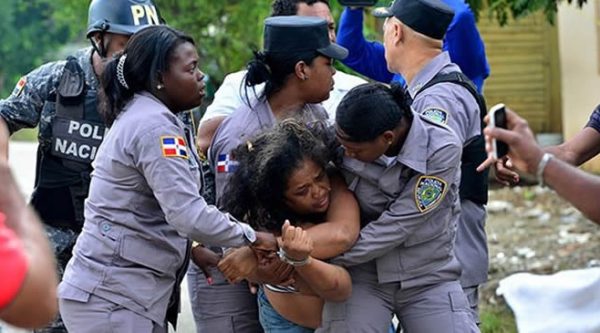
(60, 97)
(296, 67)
(144, 195)
(405, 172)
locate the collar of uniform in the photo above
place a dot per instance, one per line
(152, 97)
(428, 73)
(263, 112)
(414, 150)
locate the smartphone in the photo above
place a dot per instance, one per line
(498, 119)
(358, 3)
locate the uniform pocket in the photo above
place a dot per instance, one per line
(149, 254)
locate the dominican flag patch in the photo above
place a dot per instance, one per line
(226, 164)
(173, 146)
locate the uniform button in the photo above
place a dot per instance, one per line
(105, 227)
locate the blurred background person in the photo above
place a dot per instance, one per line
(28, 280)
(60, 98)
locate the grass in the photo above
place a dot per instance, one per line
(27, 134)
(497, 319)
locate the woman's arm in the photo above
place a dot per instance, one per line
(338, 234)
(330, 282)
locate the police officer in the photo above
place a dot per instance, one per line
(144, 197)
(60, 97)
(404, 171)
(442, 93)
(296, 67)
(228, 97)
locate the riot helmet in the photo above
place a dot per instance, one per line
(123, 17)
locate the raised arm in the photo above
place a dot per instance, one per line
(365, 57)
(576, 186)
(465, 46)
(330, 282)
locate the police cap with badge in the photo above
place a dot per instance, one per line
(300, 33)
(428, 17)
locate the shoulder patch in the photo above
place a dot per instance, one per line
(226, 164)
(429, 192)
(437, 115)
(20, 86)
(173, 146)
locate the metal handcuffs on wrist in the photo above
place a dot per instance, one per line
(296, 263)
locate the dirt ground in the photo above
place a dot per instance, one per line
(532, 229)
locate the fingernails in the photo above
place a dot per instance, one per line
(209, 281)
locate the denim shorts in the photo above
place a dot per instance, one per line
(273, 322)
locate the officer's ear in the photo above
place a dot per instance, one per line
(388, 137)
(398, 31)
(159, 83)
(302, 70)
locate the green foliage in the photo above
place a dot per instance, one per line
(497, 319)
(503, 9)
(28, 34)
(226, 31)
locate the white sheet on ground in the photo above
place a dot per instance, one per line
(568, 301)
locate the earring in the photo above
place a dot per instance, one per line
(304, 78)
(389, 143)
(159, 86)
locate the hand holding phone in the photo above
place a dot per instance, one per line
(498, 119)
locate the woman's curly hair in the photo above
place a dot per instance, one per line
(255, 192)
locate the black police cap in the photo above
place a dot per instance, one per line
(300, 33)
(428, 17)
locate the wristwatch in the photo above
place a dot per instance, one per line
(249, 234)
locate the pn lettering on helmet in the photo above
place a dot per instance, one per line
(140, 11)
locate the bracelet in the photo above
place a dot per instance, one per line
(296, 263)
(195, 244)
(541, 166)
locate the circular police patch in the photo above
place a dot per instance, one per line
(429, 191)
(437, 115)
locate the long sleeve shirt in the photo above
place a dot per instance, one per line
(462, 41)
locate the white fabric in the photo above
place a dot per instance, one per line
(228, 97)
(568, 301)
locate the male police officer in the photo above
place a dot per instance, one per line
(61, 98)
(442, 93)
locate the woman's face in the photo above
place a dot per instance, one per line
(367, 151)
(319, 82)
(183, 82)
(308, 189)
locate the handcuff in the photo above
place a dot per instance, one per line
(296, 263)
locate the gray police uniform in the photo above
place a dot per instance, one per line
(68, 141)
(223, 307)
(403, 261)
(454, 105)
(143, 205)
